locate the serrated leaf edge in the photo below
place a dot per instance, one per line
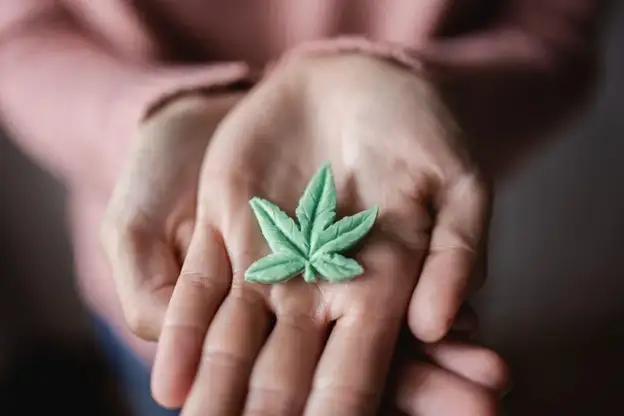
(331, 260)
(258, 204)
(373, 211)
(309, 225)
(277, 279)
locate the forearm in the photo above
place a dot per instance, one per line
(74, 107)
(56, 88)
(515, 82)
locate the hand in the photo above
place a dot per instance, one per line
(390, 142)
(516, 76)
(449, 378)
(151, 214)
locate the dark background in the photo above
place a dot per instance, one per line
(553, 305)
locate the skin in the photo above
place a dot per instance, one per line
(227, 346)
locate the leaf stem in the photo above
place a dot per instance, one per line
(309, 274)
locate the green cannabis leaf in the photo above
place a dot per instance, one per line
(274, 268)
(339, 267)
(313, 246)
(278, 228)
(317, 206)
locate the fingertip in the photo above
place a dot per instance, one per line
(160, 385)
(428, 324)
(164, 395)
(495, 372)
(473, 362)
(201, 287)
(176, 363)
(440, 293)
(428, 389)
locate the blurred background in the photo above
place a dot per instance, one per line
(553, 305)
(554, 301)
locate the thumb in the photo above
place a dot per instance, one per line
(461, 223)
(150, 216)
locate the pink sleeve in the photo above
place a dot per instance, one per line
(531, 35)
(398, 53)
(531, 71)
(72, 106)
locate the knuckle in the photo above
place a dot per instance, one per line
(301, 320)
(472, 186)
(454, 243)
(225, 359)
(249, 294)
(478, 190)
(477, 183)
(201, 281)
(115, 230)
(141, 323)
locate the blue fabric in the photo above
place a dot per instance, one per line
(132, 372)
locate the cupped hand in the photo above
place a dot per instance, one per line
(228, 346)
(151, 214)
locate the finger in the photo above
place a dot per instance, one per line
(352, 371)
(202, 286)
(444, 280)
(475, 363)
(162, 171)
(233, 342)
(423, 389)
(282, 377)
(145, 269)
(241, 325)
(353, 367)
(464, 327)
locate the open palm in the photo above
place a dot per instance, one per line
(390, 144)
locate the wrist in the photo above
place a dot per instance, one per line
(308, 56)
(178, 121)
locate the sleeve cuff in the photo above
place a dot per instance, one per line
(393, 52)
(154, 88)
(150, 89)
